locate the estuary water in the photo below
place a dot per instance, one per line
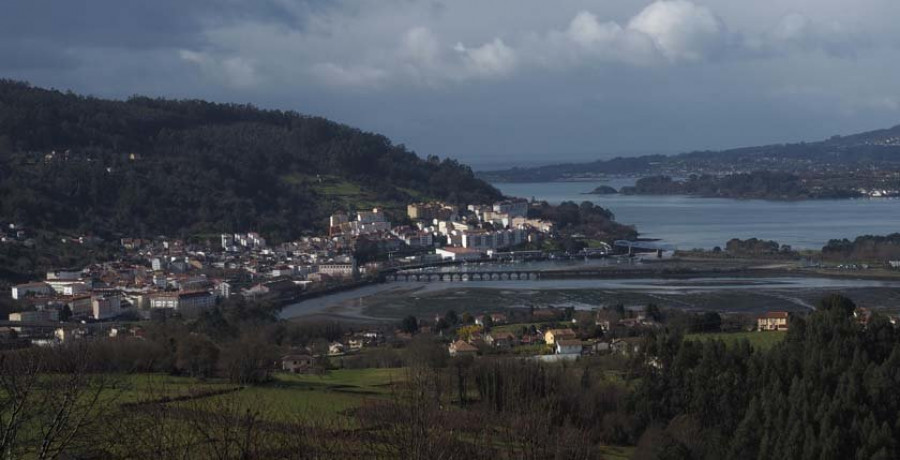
(691, 222)
(352, 303)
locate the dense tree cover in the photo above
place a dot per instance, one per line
(826, 391)
(586, 219)
(868, 247)
(604, 190)
(760, 184)
(756, 247)
(197, 166)
(618, 165)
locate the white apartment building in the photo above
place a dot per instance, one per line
(484, 240)
(513, 208)
(106, 306)
(188, 303)
(20, 291)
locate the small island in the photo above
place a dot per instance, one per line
(603, 190)
(763, 185)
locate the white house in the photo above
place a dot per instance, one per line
(568, 347)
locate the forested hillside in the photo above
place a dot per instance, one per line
(145, 167)
(838, 155)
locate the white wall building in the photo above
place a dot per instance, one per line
(484, 240)
(68, 288)
(459, 254)
(64, 275)
(21, 291)
(106, 306)
(338, 270)
(513, 208)
(188, 303)
(40, 316)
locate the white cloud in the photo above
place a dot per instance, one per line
(492, 59)
(681, 30)
(666, 31)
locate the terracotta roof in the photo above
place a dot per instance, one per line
(775, 315)
(460, 345)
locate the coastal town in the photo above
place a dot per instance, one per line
(158, 278)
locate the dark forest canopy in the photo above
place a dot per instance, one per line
(758, 184)
(823, 392)
(146, 166)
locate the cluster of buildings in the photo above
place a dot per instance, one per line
(158, 277)
(442, 229)
(479, 229)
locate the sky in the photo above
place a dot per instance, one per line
(491, 83)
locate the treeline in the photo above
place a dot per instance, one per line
(238, 340)
(144, 167)
(766, 185)
(757, 247)
(868, 247)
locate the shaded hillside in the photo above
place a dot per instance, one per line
(147, 166)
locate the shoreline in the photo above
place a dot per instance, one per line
(374, 301)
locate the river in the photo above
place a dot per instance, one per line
(692, 222)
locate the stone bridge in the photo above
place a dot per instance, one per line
(498, 275)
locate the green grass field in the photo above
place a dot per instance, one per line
(326, 396)
(286, 397)
(758, 340)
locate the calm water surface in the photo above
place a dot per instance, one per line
(689, 222)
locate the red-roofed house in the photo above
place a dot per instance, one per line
(461, 348)
(773, 321)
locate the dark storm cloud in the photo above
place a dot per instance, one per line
(518, 80)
